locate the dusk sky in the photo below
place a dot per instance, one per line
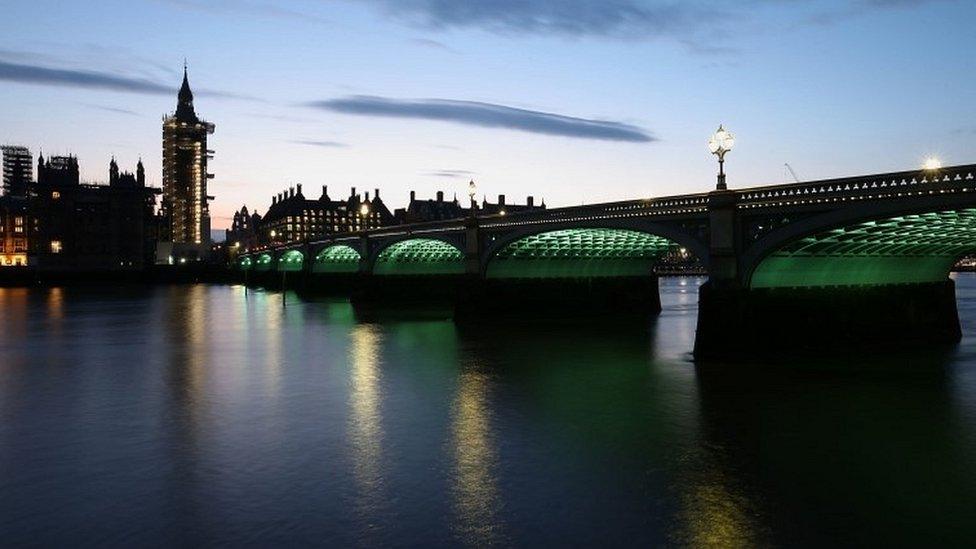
(572, 101)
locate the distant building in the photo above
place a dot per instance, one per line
(438, 209)
(185, 177)
(85, 227)
(14, 225)
(243, 231)
(17, 169)
(292, 217)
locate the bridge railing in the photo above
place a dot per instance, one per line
(878, 186)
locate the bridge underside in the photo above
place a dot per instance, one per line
(882, 282)
(419, 256)
(908, 249)
(580, 253)
(338, 258)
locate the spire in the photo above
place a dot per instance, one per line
(184, 104)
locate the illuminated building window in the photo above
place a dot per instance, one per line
(55, 195)
(55, 246)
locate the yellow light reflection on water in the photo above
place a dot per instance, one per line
(475, 487)
(365, 420)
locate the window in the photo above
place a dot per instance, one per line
(55, 195)
(55, 246)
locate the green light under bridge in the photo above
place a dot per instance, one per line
(419, 256)
(580, 253)
(899, 250)
(263, 263)
(245, 263)
(291, 261)
(338, 258)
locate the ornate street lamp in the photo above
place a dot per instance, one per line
(720, 143)
(472, 190)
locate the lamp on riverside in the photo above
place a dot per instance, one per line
(363, 215)
(472, 190)
(720, 143)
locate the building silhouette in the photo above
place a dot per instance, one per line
(438, 209)
(74, 226)
(292, 217)
(17, 169)
(185, 177)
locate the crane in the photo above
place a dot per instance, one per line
(789, 169)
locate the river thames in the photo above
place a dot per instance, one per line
(196, 415)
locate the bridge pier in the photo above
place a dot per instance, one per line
(736, 322)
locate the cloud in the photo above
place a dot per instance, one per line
(111, 109)
(96, 80)
(36, 74)
(630, 19)
(314, 143)
(865, 7)
(432, 44)
(488, 115)
(449, 173)
(262, 10)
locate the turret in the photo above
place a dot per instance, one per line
(113, 172)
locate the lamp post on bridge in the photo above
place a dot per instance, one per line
(472, 190)
(720, 143)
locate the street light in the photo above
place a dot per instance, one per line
(932, 164)
(472, 190)
(273, 233)
(719, 144)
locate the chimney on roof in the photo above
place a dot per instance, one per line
(299, 188)
(501, 200)
(274, 199)
(530, 201)
(367, 196)
(376, 194)
(353, 193)
(291, 192)
(440, 196)
(413, 196)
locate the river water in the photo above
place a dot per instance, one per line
(198, 415)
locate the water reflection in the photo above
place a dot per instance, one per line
(475, 490)
(365, 429)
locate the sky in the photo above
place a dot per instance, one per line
(573, 101)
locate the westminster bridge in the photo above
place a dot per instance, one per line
(854, 260)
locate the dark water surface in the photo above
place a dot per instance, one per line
(191, 415)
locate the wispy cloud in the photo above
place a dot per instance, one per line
(314, 143)
(36, 74)
(247, 8)
(106, 108)
(25, 73)
(613, 18)
(864, 7)
(432, 44)
(489, 115)
(449, 173)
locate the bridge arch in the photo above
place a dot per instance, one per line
(263, 262)
(418, 256)
(879, 246)
(337, 258)
(579, 252)
(291, 261)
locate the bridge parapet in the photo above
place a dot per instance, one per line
(905, 184)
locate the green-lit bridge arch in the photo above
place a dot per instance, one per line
(580, 253)
(291, 261)
(263, 262)
(896, 250)
(337, 258)
(419, 256)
